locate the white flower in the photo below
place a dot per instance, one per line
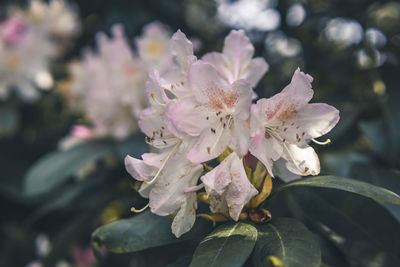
(228, 187)
(282, 125)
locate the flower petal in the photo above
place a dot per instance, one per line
(186, 216)
(266, 150)
(255, 71)
(239, 50)
(301, 161)
(205, 81)
(168, 193)
(240, 190)
(182, 49)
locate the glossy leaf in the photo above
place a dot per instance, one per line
(361, 228)
(56, 167)
(287, 242)
(228, 245)
(346, 184)
(143, 231)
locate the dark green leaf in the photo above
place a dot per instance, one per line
(379, 176)
(228, 245)
(287, 241)
(9, 120)
(360, 227)
(346, 184)
(54, 168)
(143, 231)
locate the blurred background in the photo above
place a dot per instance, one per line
(350, 47)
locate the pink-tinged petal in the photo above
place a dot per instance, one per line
(168, 194)
(255, 71)
(186, 216)
(154, 89)
(182, 49)
(312, 121)
(318, 119)
(301, 161)
(298, 93)
(219, 62)
(267, 150)
(216, 180)
(240, 137)
(206, 83)
(187, 116)
(209, 146)
(240, 190)
(239, 50)
(244, 95)
(138, 169)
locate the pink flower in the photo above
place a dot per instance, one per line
(167, 194)
(236, 60)
(216, 115)
(228, 187)
(282, 125)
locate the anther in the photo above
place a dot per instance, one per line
(321, 143)
(133, 209)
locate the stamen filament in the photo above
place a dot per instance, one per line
(327, 141)
(156, 100)
(163, 165)
(133, 209)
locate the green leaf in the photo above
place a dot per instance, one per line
(346, 184)
(56, 167)
(9, 120)
(361, 228)
(228, 245)
(287, 242)
(143, 231)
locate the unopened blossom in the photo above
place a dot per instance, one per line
(282, 126)
(108, 86)
(167, 194)
(228, 187)
(236, 60)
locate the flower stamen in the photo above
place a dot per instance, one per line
(133, 209)
(327, 141)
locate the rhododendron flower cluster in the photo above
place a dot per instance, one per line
(108, 86)
(29, 40)
(201, 109)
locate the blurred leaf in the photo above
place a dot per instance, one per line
(378, 134)
(346, 184)
(340, 162)
(56, 167)
(287, 241)
(379, 176)
(360, 227)
(183, 261)
(9, 120)
(228, 245)
(143, 231)
(133, 146)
